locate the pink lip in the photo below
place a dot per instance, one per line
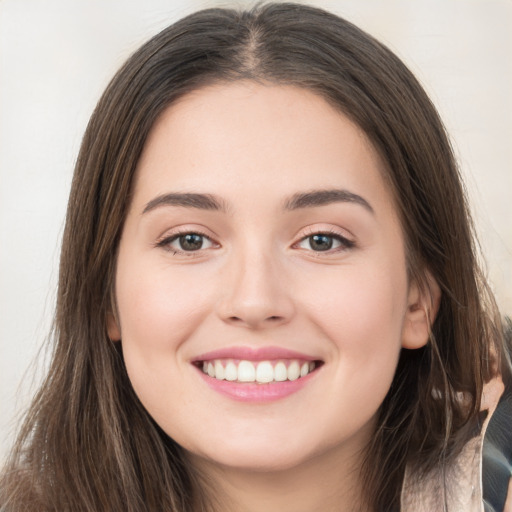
(253, 392)
(253, 354)
(256, 393)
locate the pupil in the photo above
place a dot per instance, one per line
(321, 242)
(191, 242)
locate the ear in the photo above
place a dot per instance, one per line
(422, 306)
(113, 330)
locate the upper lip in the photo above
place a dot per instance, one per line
(253, 354)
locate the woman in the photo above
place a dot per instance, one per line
(269, 297)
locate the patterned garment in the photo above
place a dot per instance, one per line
(479, 480)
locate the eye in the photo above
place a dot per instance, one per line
(322, 242)
(186, 242)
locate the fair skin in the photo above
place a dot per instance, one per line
(262, 273)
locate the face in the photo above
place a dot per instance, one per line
(261, 281)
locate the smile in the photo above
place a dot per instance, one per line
(257, 375)
(261, 372)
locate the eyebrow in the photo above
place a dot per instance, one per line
(187, 200)
(325, 197)
(310, 199)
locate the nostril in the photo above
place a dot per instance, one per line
(273, 318)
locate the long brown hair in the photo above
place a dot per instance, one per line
(88, 443)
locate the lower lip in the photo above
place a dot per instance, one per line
(253, 392)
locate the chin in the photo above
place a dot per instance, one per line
(257, 461)
(258, 453)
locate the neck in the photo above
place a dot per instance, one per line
(329, 482)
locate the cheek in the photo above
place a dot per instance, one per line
(153, 313)
(360, 299)
(157, 304)
(361, 311)
(159, 311)
(361, 316)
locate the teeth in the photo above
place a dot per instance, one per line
(246, 372)
(293, 371)
(219, 370)
(231, 372)
(262, 372)
(280, 372)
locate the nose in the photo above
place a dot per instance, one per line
(256, 293)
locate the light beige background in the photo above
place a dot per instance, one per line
(56, 57)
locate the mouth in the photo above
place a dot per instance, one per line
(260, 372)
(256, 375)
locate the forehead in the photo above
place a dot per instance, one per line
(227, 137)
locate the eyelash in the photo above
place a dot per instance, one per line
(165, 242)
(345, 243)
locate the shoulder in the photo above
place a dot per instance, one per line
(477, 479)
(497, 456)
